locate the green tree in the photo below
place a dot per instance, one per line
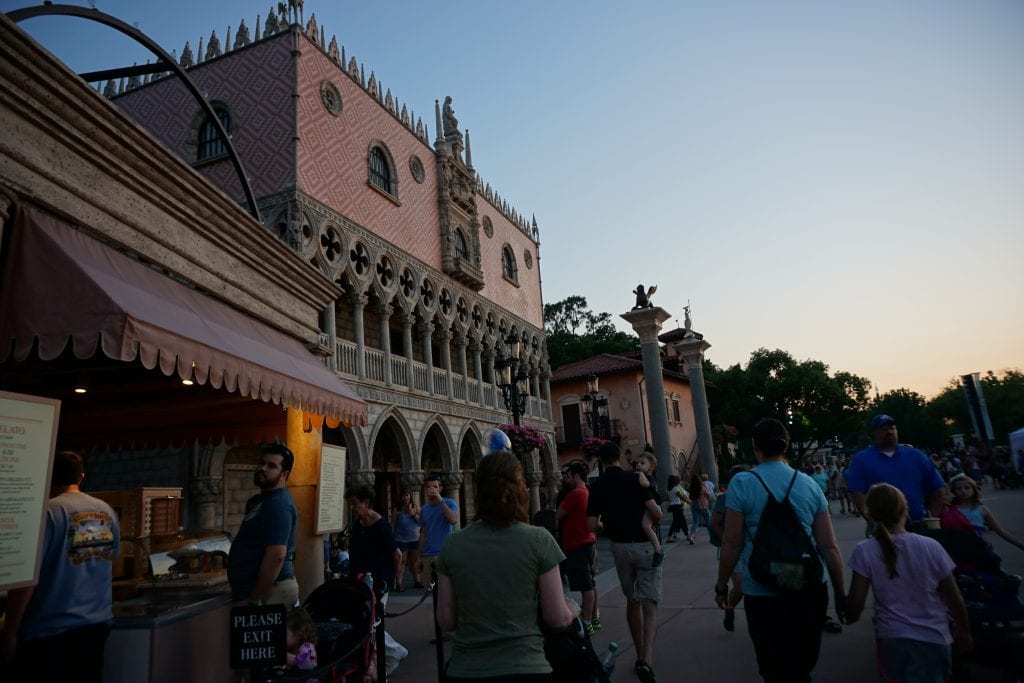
(575, 333)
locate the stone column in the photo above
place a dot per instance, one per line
(533, 481)
(647, 323)
(302, 484)
(427, 330)
(206, 492)
(475, 348)
(552, 480)
(489, 373)
(545, 379)
(691, 351)
(452, 481)
(414, 482)
(460, 350)
(331, 325)
(444, 338)
(385, 311)
(359, 302)
(407, 319)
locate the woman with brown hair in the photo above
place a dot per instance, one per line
(489, 577)
(405, 522)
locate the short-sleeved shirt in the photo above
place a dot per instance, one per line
(74, 590)
(909, 605)
(372, 549)
(748, 497)
(908, 469)
(271, 520)
(407, 529)
(437, 528)
(494, 574)
(821, 479)
(574, 525)
(619, 500)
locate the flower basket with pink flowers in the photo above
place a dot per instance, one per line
(524, 438)
(592, 446)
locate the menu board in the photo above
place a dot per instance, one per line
(331, 499)
(28, 436)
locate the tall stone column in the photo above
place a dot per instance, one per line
(331, 328)
(691, 351)
(452, 482)
(491, 375)
(359, 302)
(460, 350)
(552, 480)
(427, 330)
(407, 319)
(475, 348)
(444, 338)
(533, 481)
(545, 378)
(647, 323)
(206, 492)
(303, 484)
(385, 311)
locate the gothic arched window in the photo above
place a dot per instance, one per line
(210, 144)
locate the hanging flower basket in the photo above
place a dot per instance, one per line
(592, 446)
(524, 438)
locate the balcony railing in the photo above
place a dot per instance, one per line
(466, 389)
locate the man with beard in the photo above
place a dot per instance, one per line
(906, 468)
(260, 563)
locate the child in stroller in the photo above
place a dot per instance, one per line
(345, 613)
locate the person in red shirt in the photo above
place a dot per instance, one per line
(577, 541)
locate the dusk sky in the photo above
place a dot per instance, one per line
(842, 180)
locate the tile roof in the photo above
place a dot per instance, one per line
(603, 364)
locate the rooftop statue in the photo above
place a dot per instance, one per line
(451, 124)
(643, 297)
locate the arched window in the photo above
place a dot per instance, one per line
(508, 264)
(380, 171)
(210, 144)
(461, 250)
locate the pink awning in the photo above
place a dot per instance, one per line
(61, 284)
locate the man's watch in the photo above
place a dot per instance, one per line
(255, 602)
(723, 591)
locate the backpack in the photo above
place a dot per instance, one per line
(783, 557)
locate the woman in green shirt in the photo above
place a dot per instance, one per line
(489, 577)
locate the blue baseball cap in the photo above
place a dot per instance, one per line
(881, 421)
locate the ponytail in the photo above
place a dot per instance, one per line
(888, 508)
(888, 549)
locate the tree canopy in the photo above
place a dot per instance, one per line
(575, 333)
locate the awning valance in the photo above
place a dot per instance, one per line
(60, 284)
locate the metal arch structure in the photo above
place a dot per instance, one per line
(164, 63)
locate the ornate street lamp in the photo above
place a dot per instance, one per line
(512, 378)
(595, 407)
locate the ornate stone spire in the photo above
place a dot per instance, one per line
(256, 33)
(323, 41)
(272, 25)
(186, 57)
(242, 39)
(312, 31)
(437, 123)
(213, 49)
(389, 102)
(405, 116)
(199, 52)
(469, 153)
(134, 81)
(227, 39)
(110, 90)
(332, 51)
(372, 87)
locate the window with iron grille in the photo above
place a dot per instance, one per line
(461, 250)
(380, 171)
(210, 143)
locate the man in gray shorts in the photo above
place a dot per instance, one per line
(619, 501)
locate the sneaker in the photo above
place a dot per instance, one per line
(657, 560)
(729, 620)
(588, 627)
(595, 623)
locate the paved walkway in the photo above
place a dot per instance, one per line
(691, 644)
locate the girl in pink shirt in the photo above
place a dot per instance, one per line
(912, 580)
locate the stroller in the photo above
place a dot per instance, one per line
(345, 612)
(993, 605)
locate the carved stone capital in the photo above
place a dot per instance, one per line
(452, 480)
(647, 322)
(357, 299)
(425, 328)
(460, 339)
(406, 319)
(411, 480)
(534, 478)
(360, 479)
(206, 489)
(474, 345)
(385, 311)
(691, 352)
(552, 480)
(443, 334)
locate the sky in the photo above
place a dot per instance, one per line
(841, 180)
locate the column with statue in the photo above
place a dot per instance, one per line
(691, 351)
(647, 319)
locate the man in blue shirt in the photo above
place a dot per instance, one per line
(438, 517)
(260, 562)
(908, 469)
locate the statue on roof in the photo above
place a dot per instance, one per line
(687, 323)
(643, 297)
(451, 124)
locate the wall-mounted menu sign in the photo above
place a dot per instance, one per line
(331, 498)
(28, 436)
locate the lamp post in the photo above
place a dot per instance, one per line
(512, 378)
(595, 407)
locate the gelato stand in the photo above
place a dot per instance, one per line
(171, 623)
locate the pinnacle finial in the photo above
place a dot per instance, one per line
(437, 123)
(469, 153)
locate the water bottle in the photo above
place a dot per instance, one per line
(368, 580)
(608, 660)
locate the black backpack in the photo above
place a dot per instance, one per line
(783, 557)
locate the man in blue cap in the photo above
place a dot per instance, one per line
(906, 468)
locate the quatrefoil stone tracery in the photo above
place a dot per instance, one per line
(360, 259)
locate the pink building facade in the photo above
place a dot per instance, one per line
(432, 268)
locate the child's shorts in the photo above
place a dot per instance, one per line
(902, 660)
